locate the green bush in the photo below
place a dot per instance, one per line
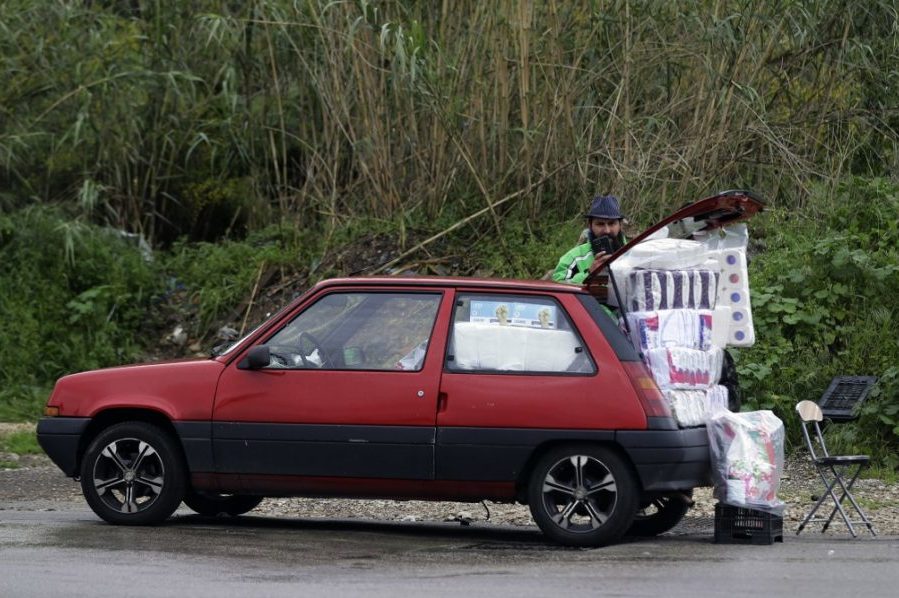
(823, 301)
(217, 277)
(75, 297)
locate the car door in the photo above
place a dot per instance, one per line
(350, 391)
(519, 373)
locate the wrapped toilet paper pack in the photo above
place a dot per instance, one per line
(733, 292)
(693, 407)
(681, 368)
(690, 328)
(666, 254)
(649, 290)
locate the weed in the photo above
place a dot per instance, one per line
(23, 442)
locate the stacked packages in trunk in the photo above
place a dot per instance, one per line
(685, 300)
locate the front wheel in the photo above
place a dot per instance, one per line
(583, 495)
(660, 514)
(212, 504)
(133, 474)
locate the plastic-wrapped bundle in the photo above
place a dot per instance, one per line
(747, 451)
(733, 292)
(717, 399)
(667, 254)
(649, 290)
(694, 407)
(690, 328)
(682, 368)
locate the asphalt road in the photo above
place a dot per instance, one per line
(69, 552)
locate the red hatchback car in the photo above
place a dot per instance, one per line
(404, 388)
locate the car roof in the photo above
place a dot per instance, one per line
(480, 284)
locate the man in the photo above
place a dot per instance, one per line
(604, 236)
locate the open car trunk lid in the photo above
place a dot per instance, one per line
(723, 209)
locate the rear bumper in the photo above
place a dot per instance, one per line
(59, 437)
(669, 459)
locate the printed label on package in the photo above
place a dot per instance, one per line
(505, 313)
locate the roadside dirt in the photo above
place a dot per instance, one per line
(38, 485)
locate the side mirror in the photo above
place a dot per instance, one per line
(257, 358)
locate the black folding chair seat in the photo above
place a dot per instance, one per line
(835, 470)
(845, 460)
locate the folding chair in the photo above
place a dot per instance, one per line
(834, 470)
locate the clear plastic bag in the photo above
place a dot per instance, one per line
(747, 455)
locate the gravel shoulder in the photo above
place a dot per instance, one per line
(36, 484)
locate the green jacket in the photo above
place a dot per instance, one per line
(574, 266)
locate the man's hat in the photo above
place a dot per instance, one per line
(604, 206)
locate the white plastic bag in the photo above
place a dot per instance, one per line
(747, 455)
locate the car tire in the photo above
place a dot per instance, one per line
(133, 473)
(583, 495)
(660, 515)
(211, 504)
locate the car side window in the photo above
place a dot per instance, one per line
(514, 333)
(358, 331)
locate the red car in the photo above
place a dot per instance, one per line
(408, 388)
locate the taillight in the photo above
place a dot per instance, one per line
(648, 392)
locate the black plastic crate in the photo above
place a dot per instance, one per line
(736, 525)
(845, 393)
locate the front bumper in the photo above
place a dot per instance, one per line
(59, 437)
(669, 459)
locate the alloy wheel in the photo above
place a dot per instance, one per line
(580, 493)
(128, 475)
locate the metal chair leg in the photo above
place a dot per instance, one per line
(838, 501)
(848, 494)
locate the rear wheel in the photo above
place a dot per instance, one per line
(211, 504)
(133, 473)
(660, 514)
(583, 495)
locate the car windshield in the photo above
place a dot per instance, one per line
(228, 346)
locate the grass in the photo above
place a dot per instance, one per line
(23, 403)
(884, 473)
(20, 442)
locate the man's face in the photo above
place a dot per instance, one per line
(602, 226)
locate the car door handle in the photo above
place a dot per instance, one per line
(441, 402)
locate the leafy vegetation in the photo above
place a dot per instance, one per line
(823, 305)
(75, 297)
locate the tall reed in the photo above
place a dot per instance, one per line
(212, 117)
